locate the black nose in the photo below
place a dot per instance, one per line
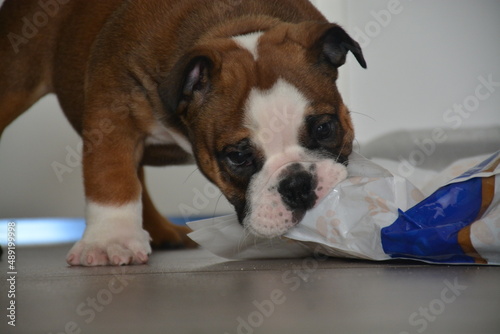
(297, 191)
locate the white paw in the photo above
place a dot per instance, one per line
(113, 236)
(117, 251)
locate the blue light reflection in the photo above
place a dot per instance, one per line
(43, 231)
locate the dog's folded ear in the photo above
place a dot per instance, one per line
(189, 81)
(327, 41)
(336, 43)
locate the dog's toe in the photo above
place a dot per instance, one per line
(120, 256)
(114, 252)
(94, 256)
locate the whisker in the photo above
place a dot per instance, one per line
(216, 205)
(368, 116)
(340, 151)
(358, 144)
(190, 175)
(246, 235)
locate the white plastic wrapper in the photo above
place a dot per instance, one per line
(373, 204)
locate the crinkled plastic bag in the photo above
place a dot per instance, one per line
(377, 215)
(458, 223)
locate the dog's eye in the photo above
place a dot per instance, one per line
(323, 131)
(240, 159)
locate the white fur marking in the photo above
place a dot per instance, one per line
(250, 42)
(275, 116)
(127, 216)
(114, 235)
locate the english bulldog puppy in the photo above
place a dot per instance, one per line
(244, 88)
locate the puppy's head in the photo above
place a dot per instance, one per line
(265, 119)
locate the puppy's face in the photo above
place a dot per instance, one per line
(265, 119)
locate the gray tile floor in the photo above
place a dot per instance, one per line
(196, 292)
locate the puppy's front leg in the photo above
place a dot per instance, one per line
(114, 233)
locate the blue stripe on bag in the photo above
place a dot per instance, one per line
(429, 230)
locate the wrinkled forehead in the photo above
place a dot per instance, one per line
(275, 109)
(273, 57)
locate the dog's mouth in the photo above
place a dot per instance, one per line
(281, 203)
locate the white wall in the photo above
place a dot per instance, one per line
(422, 61)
